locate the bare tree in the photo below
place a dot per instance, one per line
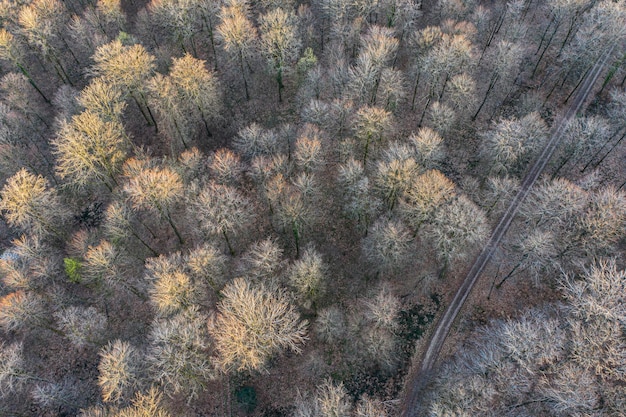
(120, 226)
(198, 88)
(555, 204)
(178, 353)
(370, 407)
(118, 371)
(583, 137)
(30, 205)
(226, 167)
(308, 276)
(255, 323)
(10, 50)
(457, 229)
(504, 62)
(82, 326)
(512, 142)
(539, 252)
(20, 145)
(239, 37)
(42, 22)
(90, 148)
(603, 224)
(332, 399)
(22, 310)
(148, 404)
(13, 373)
(424, 196)
(156, 189)
(223, 210)
(206, 264)
(330, 325)
(371, 125)
(263, 260)
(103, 99)
(172, 290)
(596, 309)
(279, 43)
(395, 172)
(291, 204)
(360, 202)
(378, 50)
(451, 55)
(104, 263)
(428, 146)
(254, 140)
(378, 334)
(180, 19)
(174, 120)
(387, 245)
(129, 68)
(30, 264)
(560, 12)
(308, 153)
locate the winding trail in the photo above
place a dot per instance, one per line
(420, 377)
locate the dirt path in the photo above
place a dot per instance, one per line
(421, 375)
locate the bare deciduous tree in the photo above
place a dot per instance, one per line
(30, 205)
(223, 210)
(172, 290)
(90, 148)
(21, 310)
(198, 88)
(126, 67)
(424, 196)
(512, 142)
(279, 43)
(308, 276)
(239, 37)
(387, 245)
(178, 353)
(103, 99)
(156, 189)
(118, 371)
(371, 126)
(458, 229)
(255, 323)
(82, 326)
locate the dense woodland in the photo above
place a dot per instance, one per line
(229, 208)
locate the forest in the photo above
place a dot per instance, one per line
(261, 208)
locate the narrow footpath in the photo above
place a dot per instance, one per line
(420, 376)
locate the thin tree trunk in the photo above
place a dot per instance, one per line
(60, 66)
(417, 80)
(154, 252)
(609, 151)
(428, 100)
(543, 53)
(511, 272)
(243, 75)
(178, 235)
(296, 236)
(367, 145)
(279, 79)
(145, 102)
(577, 85)
(230, 247)
(30, 80)
(494, 80)
(143, 113)
(569, 33)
